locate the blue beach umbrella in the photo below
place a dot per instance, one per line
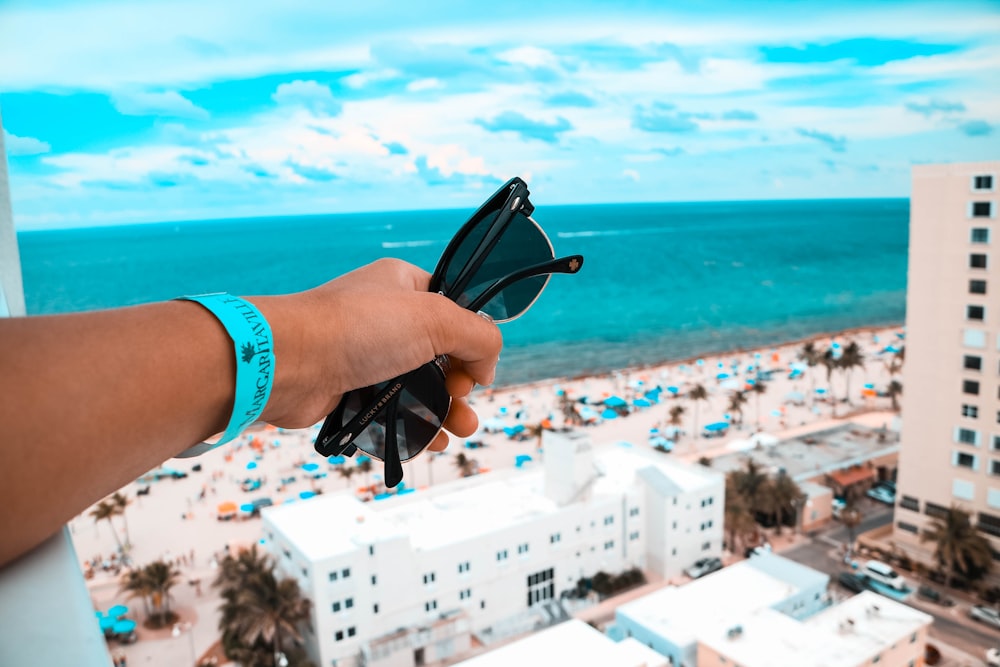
(337, 460)
(717, 426)
(247, 508)
(306, 495)
(118, 611)
(251, 465)
(310, 467)
(609, 414)
(673, 390)
(614, 401)
(820, 391)
(382, 496)
(106, 623)
(123, 627)
(361, 459)
(700, 362)
(641, 403)
(721, 376)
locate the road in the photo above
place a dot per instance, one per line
(951, 625)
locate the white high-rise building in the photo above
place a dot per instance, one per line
(950, 453)
(413, 579)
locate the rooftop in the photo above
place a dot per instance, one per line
(570, 643)
(481, 505)
(771, 639)
(812, 454)
(712, 603)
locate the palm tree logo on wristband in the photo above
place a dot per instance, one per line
(497, 264)
(247, 352)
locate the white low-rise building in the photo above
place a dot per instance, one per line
(412, 579)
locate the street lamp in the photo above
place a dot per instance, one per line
(189, 629)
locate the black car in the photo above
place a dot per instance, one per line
(933, 595)
(854, 582)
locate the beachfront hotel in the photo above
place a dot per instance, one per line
(427, 576)
(766, 611)
(950, 451)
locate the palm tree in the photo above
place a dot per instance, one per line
(959, 547)
(105, 511)
(738, 519)
(895, 389)
(751, 483)
(120, 502)
(676, 412)
(696, 394)
(787, 496)
(136, 585)
(851, 517)
(365, 468)
(851, 358)
(830, 362)
(812, 358)
(260, 613)
(757, 388)
(736, 402)
(347, 472)
(466, 466)
(161, 576)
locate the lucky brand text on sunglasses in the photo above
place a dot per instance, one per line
(498, 264)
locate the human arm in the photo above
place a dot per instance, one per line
(90, 401)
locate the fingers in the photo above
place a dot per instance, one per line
(459, 383)
(468, 337)
(462, 420)
(440, 442)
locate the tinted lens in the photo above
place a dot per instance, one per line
(522, 244)
(421, 408)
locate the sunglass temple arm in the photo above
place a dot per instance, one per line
(570, 264)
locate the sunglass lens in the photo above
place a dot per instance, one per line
(522, 244)
(421, 409)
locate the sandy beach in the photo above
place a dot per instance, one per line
(178, 519)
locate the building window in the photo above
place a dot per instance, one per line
(371, 550)
(351, 631)
(374, 580)
(430, 606)
(982, 182)
(339, 636)
(502, 554)
(977, 260)
(980, 235)
(706, 546)
(977, 313)
(974, 338)
(333, 576)
(348, 603)
(996, 438)
(967, 436)
(971, 362)
(908, 527)
(995, 467)
(465, 594)
(608, 520)
(970, 411)
(977, 287)
(910, 503)
(610, 544)
(970, 387)
(375, 608)
(554, 537)
(336, 607)
(634, 511)
(463, 567)
(935, 511)
(345, 573)
(522, 548)
(429, 578)
(965, 460)
(982, 209)
(989, 524)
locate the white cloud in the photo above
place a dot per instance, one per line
(532, 56)
(631, 174)
(24, 145)
(168, 103)
(307, 94)
(424, 84)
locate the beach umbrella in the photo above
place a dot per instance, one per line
(502, 411)
(227, 507)
(661, 442)
(382, 496)
(106, 623)
(511, 431)
(716, 426)
(820, 390)
(362, 459)
(306, 495)
(673, 390)
(641, 403)
(699, 362)
(869, 385)
(336, 460)
(671, 432)
(721, 376)
(118, 611)
(614, 401)
(653, 395)
(251, 465)
(609, 414)
(247, 508)
(493, 425)
(310, 467)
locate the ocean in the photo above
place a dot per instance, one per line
(660, 281)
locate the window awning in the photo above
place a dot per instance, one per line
(850, 476)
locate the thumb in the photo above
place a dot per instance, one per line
(468, 336)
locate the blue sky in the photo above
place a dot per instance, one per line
(172, 110)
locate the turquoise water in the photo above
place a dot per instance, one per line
(660, 281)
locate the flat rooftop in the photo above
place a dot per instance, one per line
(480, 505)
(570, 643)
(816, 453)
(721, 600)
(826, 639)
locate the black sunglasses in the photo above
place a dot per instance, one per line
(498, 264)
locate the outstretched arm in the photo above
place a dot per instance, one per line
(90, 401)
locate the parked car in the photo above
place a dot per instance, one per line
(703, 566)
(987, 615)
(883, 574)
(854, 582)
(882, 494)
(838, 505)
(764, 548)
(933, 595)
(993, 657)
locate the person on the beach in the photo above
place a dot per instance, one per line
(91, 401)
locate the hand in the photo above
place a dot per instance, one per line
(366, 327)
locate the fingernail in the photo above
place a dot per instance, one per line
(485, 316)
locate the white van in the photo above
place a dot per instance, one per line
(882, 573)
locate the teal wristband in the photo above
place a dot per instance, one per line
(254, 347)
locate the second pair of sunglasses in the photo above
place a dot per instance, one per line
(497, 264)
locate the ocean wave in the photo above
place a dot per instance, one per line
(407, 244)
(610, 232)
